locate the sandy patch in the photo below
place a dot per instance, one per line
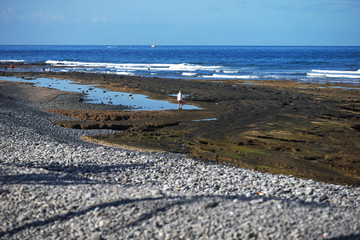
(26, 91)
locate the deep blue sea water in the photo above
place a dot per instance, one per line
(315, 64)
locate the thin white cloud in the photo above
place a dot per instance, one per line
(5, 14)
(339, 5)
(48, 17)
(11, 14)
(304, 5)
(99, 19)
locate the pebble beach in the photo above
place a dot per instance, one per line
(56, 186)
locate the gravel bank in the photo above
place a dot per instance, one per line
(55, 186)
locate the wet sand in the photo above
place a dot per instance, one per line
(27, 92)
(301, 129)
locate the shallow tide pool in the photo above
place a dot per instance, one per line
(102, 96)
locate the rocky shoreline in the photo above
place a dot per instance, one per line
(307, 130)
(55, 186)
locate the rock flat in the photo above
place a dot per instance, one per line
(55, 186)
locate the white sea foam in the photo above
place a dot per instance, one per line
(188, 74)
(272, 77)
(75, 64)
(125, 73)
(231, 72)
(137, 66)
(15, 61)
(334, 74)
(222, 76)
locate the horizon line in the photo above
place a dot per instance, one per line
(200, 45)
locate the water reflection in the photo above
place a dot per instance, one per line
(97, 95)
(205, 119)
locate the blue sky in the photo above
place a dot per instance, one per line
(181, 22)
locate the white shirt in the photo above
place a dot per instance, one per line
(179, 97)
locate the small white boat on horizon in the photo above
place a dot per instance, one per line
(153, 46)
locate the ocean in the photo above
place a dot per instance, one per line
(308, 64)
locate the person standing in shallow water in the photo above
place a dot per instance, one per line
(180, 100)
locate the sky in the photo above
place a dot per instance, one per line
(180, 22)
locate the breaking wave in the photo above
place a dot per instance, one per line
(334, 74)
